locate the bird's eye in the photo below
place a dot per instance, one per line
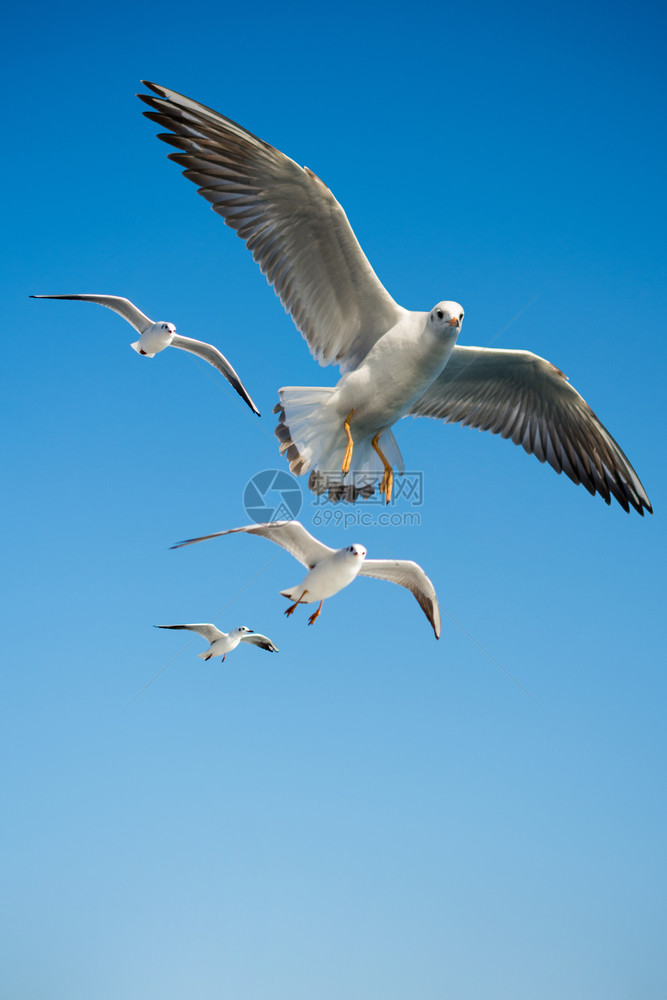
(439, 313)
(460, 317)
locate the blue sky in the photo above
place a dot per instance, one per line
(369, 813)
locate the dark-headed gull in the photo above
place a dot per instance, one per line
(155, 336)
(394, 361)
(222, 643)
(329, 570)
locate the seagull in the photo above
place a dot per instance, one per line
(224, 642)
(329, 570)
(394, 362)
(155, 336)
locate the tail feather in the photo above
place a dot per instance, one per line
(136, 346)
(292, 593)
(389, 448)
(306, 430)
(312, 439)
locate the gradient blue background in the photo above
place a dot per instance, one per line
(369, 813)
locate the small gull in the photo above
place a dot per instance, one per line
(394, 362)
(224, 642)
(329, 570)
(155, 336)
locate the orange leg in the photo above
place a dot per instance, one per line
(311, 620)
(347, 458)
(292, 608)
(388, 478)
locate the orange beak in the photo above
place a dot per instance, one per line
(454, 322)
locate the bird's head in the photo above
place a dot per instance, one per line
(356, 551)
(446, 318)
(166, 327)
(242, 630)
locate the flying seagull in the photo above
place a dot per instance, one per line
(394, 362)
(329, 570)
(222, 643)
(155, 336)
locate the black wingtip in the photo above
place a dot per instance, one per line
(162, 94)
(240, 389)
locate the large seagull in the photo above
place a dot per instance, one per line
(394, 362)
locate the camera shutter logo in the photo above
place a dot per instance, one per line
(272, 495)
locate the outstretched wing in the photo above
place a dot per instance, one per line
(119, 305)
(211, 354)
(290, 221)
(259, 640)
(291, 535)
(410, 575)
(521, 396)
(209, 632)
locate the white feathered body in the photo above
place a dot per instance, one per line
(330, 575)
(225, 644)
(155, 339)
(394, 374)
